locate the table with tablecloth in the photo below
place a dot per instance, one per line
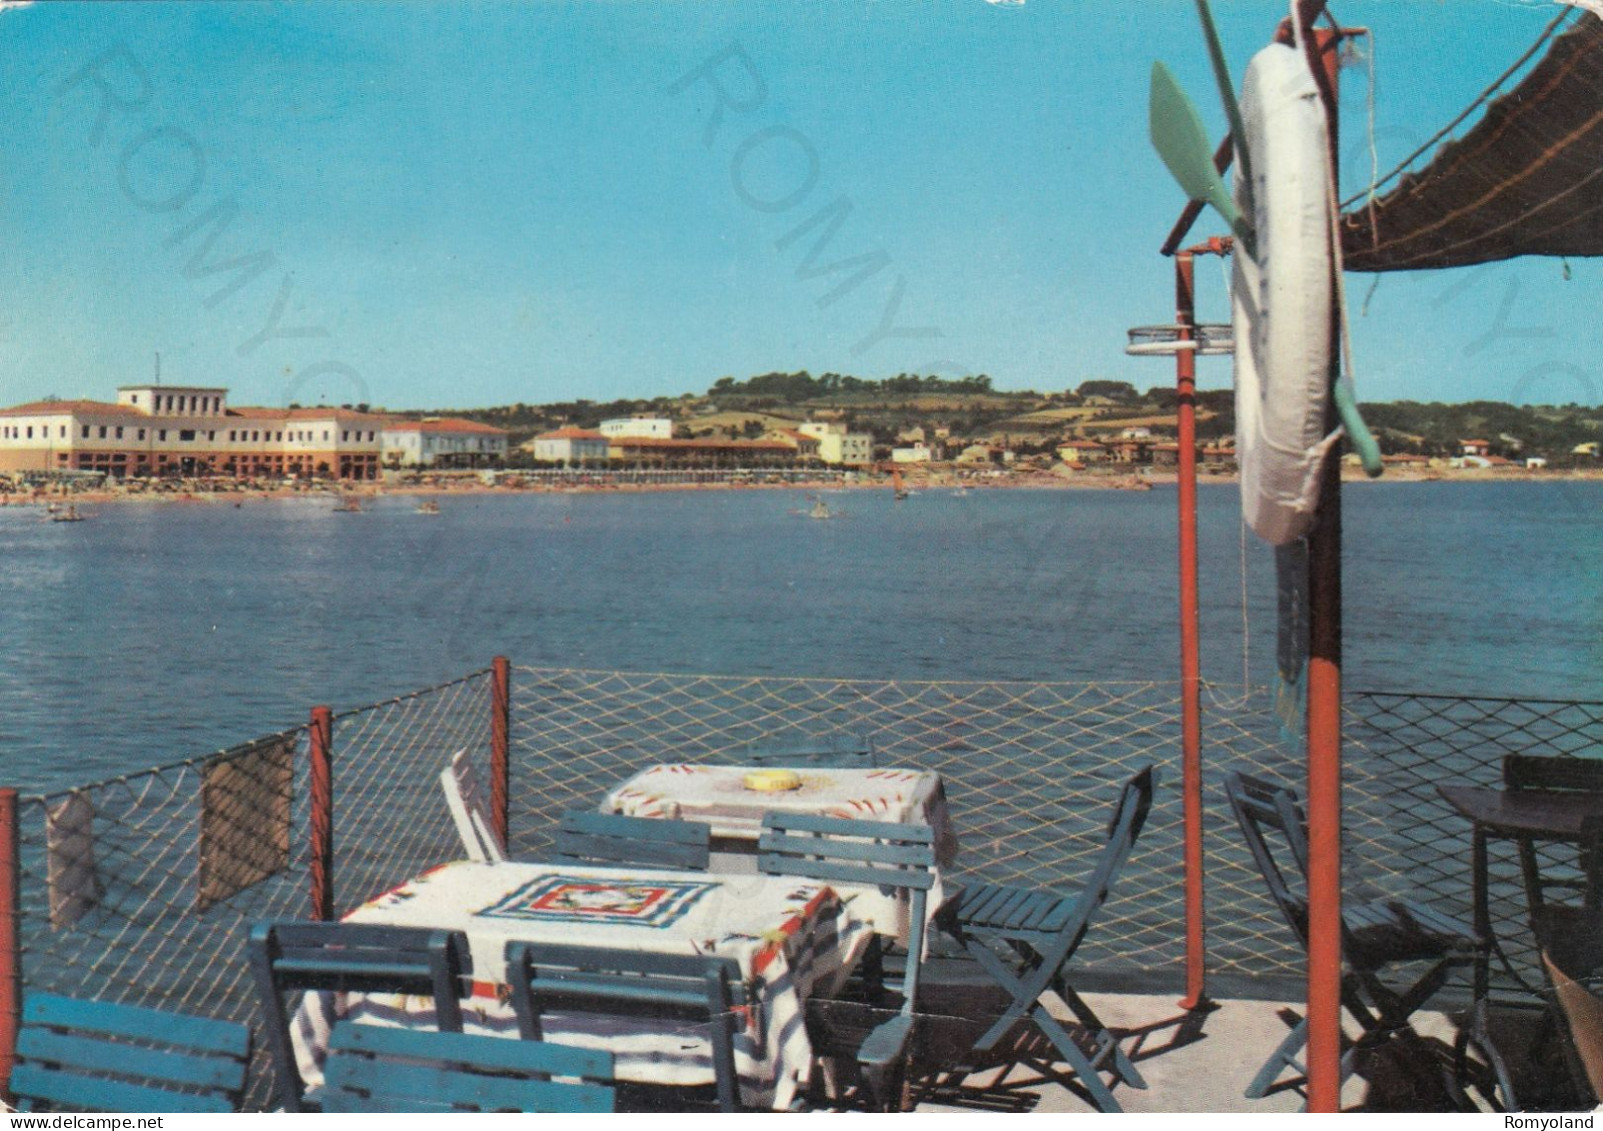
(792, 939)
(722, 798)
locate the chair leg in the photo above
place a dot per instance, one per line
(1107, 1045)
(1285, 1056)
(1101, 1095)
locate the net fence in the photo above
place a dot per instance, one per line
(143, 888)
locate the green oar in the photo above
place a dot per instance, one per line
(1179, 138)
(1227, 90)
(1358, 433)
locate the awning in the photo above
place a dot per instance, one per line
(1527, 179)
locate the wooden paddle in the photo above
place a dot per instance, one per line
(1180, 139)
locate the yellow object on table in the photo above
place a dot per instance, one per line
(772, 781)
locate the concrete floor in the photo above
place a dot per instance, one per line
(1203, 1062)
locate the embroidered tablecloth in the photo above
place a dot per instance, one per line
(718, 796)
(792, 939)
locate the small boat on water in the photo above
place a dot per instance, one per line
(349, 505)
(899, 490)
(69, 515)
(428, 506)
(820, 509)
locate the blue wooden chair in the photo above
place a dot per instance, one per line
(1023, 938)
(700, 990)
(291, 958)
(896, 859)
(610, 838)
(840, 751)
(97, 1056)
(1375, 936)
(375, 1068)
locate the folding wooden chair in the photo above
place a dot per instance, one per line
(1375, 937)
(841, 751)
(609, 838)
(701, 990)
(469, 803)
(97, 1056)
(1024, 938)
(1571, 941)
(373, 1068)
(288, 958)
(897, 859)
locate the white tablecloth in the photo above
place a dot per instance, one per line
(792, 939)
(717, 795)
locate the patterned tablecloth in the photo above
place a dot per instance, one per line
(792, 938)
(718, 796)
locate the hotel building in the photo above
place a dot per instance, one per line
(192, 430)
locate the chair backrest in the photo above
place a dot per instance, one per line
(1072, 918)
(374, 1068)
(1566, 775)
(892, 857)
(97, 1056)
(841, 751)
(1266, 812)
(469, 803)
(1529, 771)
(701, 989)
(610, 838)
(351, 958)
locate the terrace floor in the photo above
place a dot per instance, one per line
(1202, 1062)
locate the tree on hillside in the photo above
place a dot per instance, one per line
(1121, 391)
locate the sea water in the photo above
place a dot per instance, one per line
(156, 631)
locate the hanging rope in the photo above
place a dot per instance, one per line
(1480, 100)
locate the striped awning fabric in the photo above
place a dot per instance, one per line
(1527, 179)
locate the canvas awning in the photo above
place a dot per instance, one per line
(1527, 179)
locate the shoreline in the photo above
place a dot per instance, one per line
(208, 495)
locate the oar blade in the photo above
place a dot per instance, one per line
(1179, 137)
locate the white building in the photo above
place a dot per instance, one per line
(442, 442)
(638, 427)
(570, 446)
(838, 446)
(187, 430)
(918, 453)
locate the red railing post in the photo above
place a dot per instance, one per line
(1324, 684)
(500, 720)
(10, 935)
(1185, 373)
(321, 735)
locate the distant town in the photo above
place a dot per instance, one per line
(775, 421)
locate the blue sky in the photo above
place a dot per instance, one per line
(480, 203)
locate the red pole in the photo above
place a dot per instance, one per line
(500, 719)
(10, 935)
(1185, 373)
(321, 734)
(1324, 692)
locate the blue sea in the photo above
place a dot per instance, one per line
(159, 631)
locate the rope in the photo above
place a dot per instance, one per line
(1480, 99)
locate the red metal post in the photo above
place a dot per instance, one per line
(500, 718)
(1185, 374)
(10, 935)
(321, 734)
(1324, 694)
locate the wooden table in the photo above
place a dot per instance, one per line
(792, 938)
(1520, 815)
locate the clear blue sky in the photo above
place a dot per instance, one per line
(482, 203)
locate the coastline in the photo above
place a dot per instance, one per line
(195, 494)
